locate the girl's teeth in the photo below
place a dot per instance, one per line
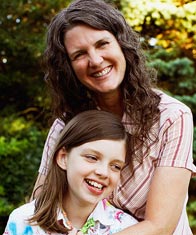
(103, 72)
(95, 184)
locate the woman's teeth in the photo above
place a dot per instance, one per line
(103, 72)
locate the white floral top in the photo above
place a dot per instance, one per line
(104, 220)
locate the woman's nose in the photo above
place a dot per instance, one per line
(95, 59)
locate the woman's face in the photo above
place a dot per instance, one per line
(96, 58)
(93, 170)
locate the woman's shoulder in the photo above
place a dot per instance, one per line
(170, 103)
(56, 128)
(172, 109)
(58, 124)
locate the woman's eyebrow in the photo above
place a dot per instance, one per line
(77, 51)
(74, 53)
(103, 39)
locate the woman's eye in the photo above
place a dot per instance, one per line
(102, 44)
(77, 56)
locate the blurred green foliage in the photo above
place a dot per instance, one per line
(21, 143)
(167, 31)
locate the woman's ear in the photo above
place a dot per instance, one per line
(61, 158)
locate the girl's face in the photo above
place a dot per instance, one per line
(96, 58)
(93, 170)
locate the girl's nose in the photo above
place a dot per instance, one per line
(102, 171)
(95, 59)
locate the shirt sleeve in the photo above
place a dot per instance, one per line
(50, 143)
(177, 141)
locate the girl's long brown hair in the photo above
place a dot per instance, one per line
(85, 127)
(71, 97)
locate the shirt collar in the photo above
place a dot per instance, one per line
(99, 214)
(63, 218)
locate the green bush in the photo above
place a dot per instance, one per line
(191, 209)
(21, 146)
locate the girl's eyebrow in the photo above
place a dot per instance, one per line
(87, 150)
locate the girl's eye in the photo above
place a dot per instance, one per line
(91, 158)
(116, 167)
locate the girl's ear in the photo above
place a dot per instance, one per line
(61, 158)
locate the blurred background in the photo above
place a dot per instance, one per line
(167, 29)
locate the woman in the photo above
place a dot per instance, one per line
(94, 60)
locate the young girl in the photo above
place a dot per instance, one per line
(84, 169)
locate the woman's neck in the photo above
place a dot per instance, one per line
(112, 102)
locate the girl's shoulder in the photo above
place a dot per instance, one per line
(116, 214)
(23, 211)
(18, 220)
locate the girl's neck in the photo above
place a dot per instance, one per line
(78, 214)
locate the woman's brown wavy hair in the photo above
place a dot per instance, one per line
(85, 127)
(71, 97)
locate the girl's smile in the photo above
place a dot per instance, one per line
(93, 170)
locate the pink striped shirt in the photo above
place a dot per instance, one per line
(174, 149)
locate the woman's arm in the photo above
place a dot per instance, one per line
(52, 137)
(38, 186)
(164, 203)
(169, 185)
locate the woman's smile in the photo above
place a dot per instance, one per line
(103, 72)
(96, 58)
